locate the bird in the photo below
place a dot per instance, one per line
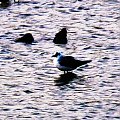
(61, 37)
(26, 38)
(67, 63)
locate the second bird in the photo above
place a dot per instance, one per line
(61, 37)
(26, 38)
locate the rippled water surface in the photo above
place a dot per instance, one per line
(31, 88)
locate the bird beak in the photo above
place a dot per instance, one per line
(53, 56)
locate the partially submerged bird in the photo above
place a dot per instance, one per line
(26, 38)
(67, 63)
(61, 37)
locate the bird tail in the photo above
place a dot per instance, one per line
(84, 62)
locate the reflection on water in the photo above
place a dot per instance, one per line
(5, 4)
(31, 88)
(65, 78)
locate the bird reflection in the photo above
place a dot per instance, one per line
(7, 3)
(65, 78)
(4, 4)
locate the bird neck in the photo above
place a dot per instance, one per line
(59, 57)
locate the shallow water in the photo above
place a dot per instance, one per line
(31, 88)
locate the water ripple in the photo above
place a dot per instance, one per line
(32, 88)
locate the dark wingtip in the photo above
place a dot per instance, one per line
(84, 62)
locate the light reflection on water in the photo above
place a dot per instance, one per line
(32, 88)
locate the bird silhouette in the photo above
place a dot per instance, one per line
(27, 38)
(61, 37)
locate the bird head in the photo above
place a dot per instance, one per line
(57, 54)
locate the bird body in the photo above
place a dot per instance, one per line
(67, 63)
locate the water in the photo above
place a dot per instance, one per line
(31, 88)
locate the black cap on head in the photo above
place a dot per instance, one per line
(56, 54)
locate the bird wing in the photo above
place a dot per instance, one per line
(68, 61)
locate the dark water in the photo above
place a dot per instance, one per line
(31, 88)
